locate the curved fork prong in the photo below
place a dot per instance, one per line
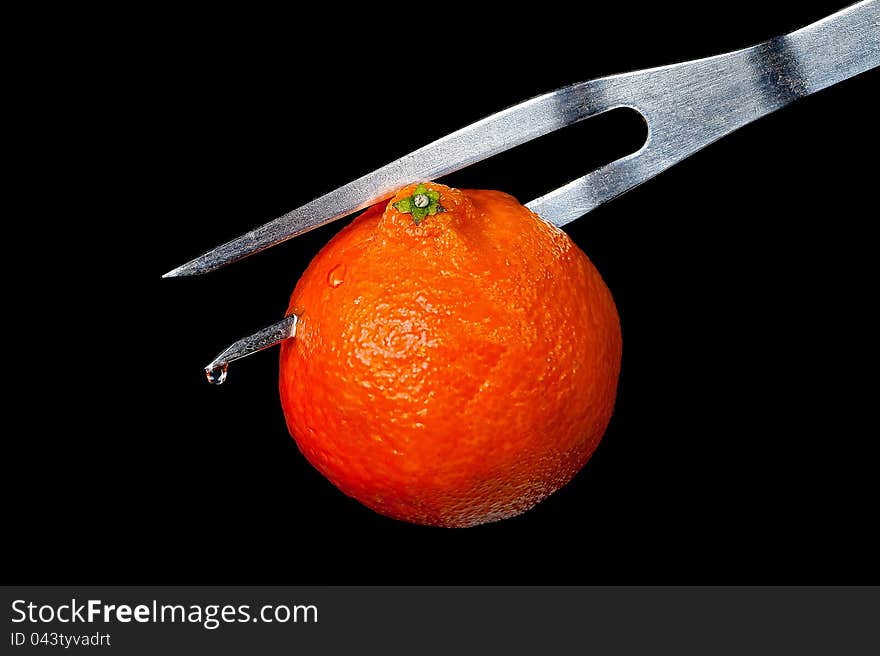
(262, 339)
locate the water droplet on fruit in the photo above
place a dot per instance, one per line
(336, 276)
(216, 374)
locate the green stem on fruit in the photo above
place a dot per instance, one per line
(423, 202)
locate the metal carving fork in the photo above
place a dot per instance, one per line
(686, 106)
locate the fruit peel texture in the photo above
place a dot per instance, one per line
(454, 372)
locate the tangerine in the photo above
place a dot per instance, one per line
(455, 361)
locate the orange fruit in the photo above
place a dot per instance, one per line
(455, 361)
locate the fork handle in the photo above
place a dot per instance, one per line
(690, 105)
(829, 51)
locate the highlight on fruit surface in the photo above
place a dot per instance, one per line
(455, 361)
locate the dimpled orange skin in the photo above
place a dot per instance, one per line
(455, 372)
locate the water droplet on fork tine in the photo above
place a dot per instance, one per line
(216, 370)
(217, 374)
(336, 276)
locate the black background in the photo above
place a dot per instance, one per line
(743, 446)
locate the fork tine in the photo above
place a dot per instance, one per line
(578, 197)
(476, 142)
